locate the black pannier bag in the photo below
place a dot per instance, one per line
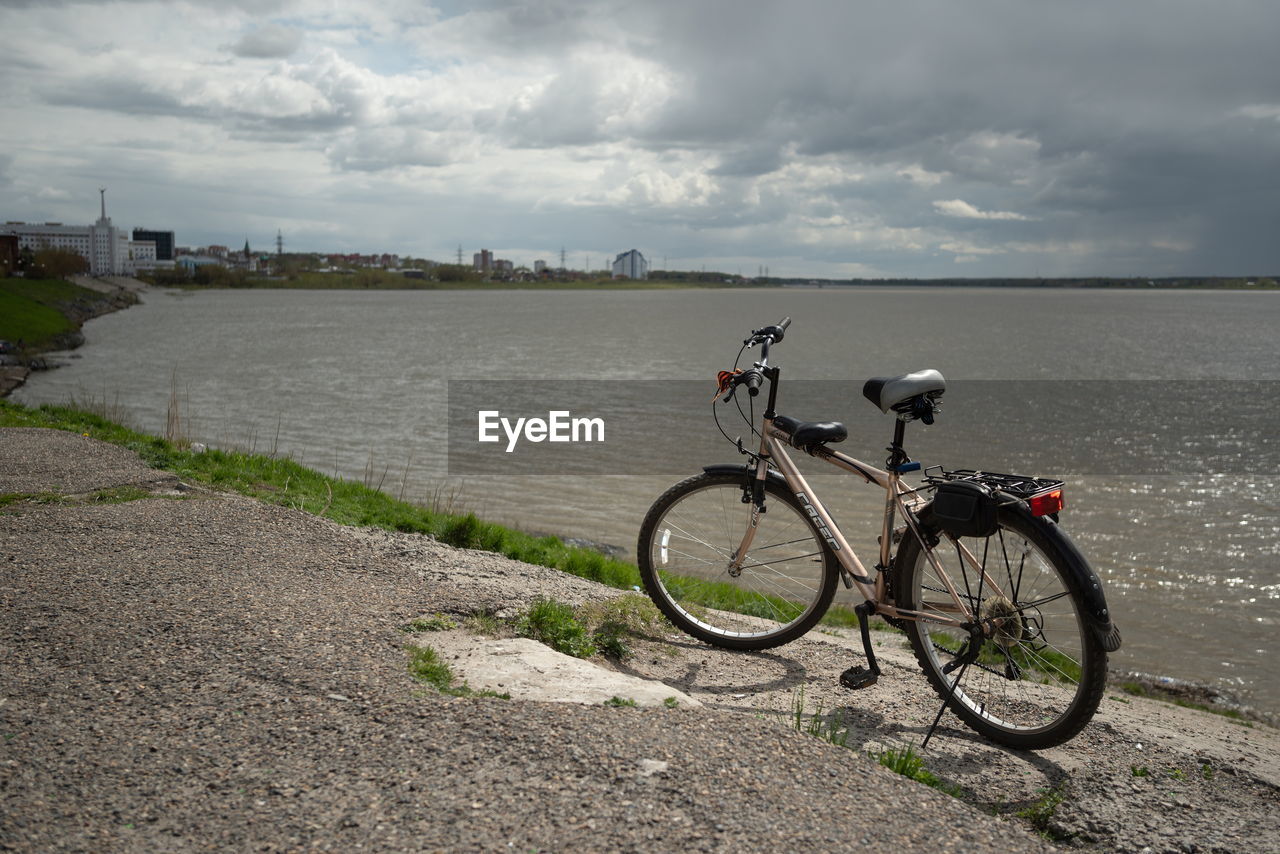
(965, 509)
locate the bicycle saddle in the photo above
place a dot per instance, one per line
(888, 392)
(805, 434)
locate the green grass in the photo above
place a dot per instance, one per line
(434, 623)
(830, 728)
(282, 481)
(33, 309)
(426, 666)
(621, 702)
(908, 763)
(555, 624)
(482, 623)
(26, 319)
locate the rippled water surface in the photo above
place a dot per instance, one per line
(355, 383)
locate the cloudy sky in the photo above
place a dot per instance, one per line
(839, 138)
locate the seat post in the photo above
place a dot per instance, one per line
(897, 456)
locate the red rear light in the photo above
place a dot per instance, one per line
(1046, 503)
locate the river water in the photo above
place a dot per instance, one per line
(361, 384)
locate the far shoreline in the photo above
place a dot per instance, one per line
(382, 279)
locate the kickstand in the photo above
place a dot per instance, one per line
(966, 657)
(858, 676)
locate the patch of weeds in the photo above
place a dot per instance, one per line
(29, 497)
(1177, 774)
(630, 614)
(462, 532)
(620, 702)
(608, 639)
(482, 623)
(434, 623)
(908, 763)
(1039, 813)
(425, 666)
(1206, 771)
(554, 624)
(1119, 699)
(671, 702)
(118, 495)
(1139, 770)
(830, 728)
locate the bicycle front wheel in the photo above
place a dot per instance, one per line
(1041, 670)
(687, 544)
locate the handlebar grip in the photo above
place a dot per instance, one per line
(753, 383)
(786, 321)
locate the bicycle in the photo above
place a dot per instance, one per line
(1004, 614)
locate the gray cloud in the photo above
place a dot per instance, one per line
(268, 42)
(1103, 138)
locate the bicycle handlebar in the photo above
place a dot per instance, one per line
(764, 336)
(769, 334)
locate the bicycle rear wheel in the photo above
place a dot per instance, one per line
(688, 539)
(1038, 678)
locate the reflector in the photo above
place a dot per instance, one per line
(1046, 503)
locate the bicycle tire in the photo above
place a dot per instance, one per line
(1038, 680)
(686, 542)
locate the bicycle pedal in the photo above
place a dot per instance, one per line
(857, 677)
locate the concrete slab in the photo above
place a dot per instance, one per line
(528, 670)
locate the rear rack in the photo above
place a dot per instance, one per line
(1020, 486)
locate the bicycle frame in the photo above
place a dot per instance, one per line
(898, 502)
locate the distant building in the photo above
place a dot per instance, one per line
(162, 239)
(539, 267)
(142, 253)
(104, 246)
(191, 262)
(482, 261)
(630, 265)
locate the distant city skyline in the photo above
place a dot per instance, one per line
(816, 138)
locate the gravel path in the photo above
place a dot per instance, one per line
(213, 672)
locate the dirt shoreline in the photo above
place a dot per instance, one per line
(187, 669)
